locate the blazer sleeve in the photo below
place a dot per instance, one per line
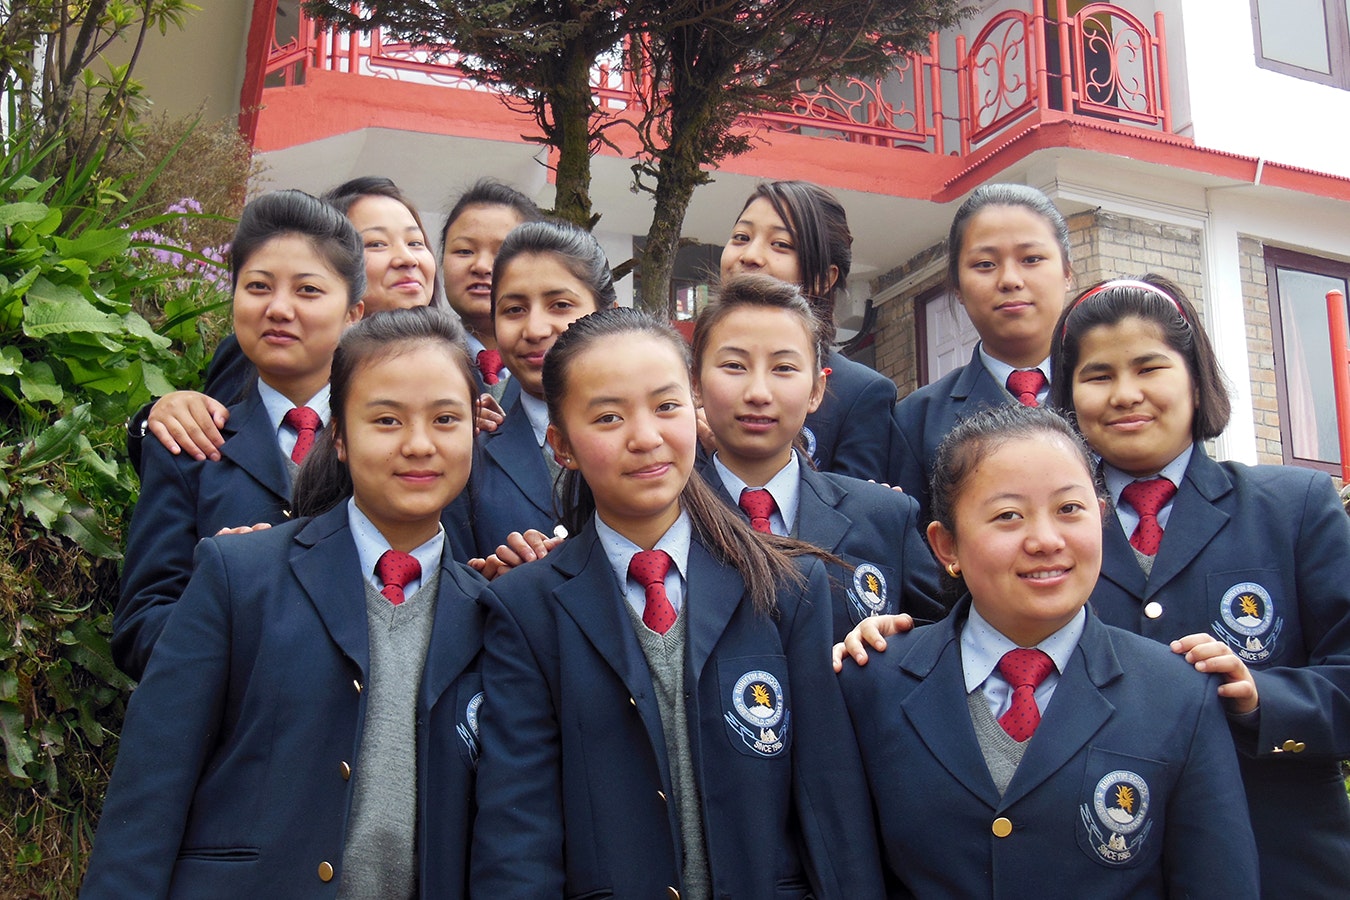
(172, 723)
(1208, 849)
(830, 791)
(159, 552)
(518, 833)
(863, 443)
(1310, 704)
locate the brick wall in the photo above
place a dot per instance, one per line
(1260, 349)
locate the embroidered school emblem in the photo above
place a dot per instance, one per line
(809, 442)
(758, 714)
(1117, 819)
(1248, 622)
(868, 594)
(468, 729)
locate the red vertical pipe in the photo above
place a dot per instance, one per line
(1164, 86)
(1340, 373)
(262, 28)
(935, 82)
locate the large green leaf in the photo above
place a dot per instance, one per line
(95, 246)
(43, 504)
(38, 384)
(11, 360)
(81, 526)
(18, 750)
(56, 441)
(14, 213)
(62, 309)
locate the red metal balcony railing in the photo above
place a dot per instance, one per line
(1102, 62)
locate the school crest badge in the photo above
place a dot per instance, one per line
(468, 729)
(758, 714)
(1117, 818)
(1248, 623)
(868, 593)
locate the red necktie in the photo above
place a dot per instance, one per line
(1025, 385)
(396, 569)
(489, 364)
(306, 422)
(1148, 497)
(758, 505)
(1025, 669)
(648, 568)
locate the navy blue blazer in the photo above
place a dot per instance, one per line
(850, 432)
(183, 500)
(1126, 713)
(230, 777)
(872, 528)
(1260, 557)
(573, 786)
(923, 418)
(509, 489)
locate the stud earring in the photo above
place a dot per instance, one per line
(953, 569)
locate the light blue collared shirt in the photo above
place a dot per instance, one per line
(785, 487)
(1116, 481)
(999, 371)
(277, 406)
(983, 645)
(536, 411)
(619, 551)
(371, 544)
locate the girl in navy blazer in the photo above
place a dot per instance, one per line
(1008, 264)
(1021, 746)
(546, 276)
(474, 230)
(400, 272)
(659, 733)
(798, 232)
(298, 275)
(1258, 556)
(758, 354)
(307, 726)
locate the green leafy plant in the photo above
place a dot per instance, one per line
(78, 355)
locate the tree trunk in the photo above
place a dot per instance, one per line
(675, 182)
(572, 108)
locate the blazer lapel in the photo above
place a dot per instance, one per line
(456, 633)
(1198, 514)
(819, 522)
(714, 592)
(1118, 562)
(946, 729)
(324, 561)
(1077, 711)
(253, 445)
(976, 385)
(511, 446)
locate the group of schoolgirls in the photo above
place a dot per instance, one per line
(339, 706)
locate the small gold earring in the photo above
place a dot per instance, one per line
(953, 569)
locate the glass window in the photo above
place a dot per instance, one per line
(1298, 289)
(1295, 32)
(1309, 39)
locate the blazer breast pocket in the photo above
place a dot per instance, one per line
(871, 589)
(1249, 609)
(753, 691)
(1120, 807)
(468, 706)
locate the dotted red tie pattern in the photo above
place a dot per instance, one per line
(1025, 669)
(1148, 497)
(306, 422)
(758, 505)
(1025, 385)
(489, 364)
(396, 569)
(648, 568)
